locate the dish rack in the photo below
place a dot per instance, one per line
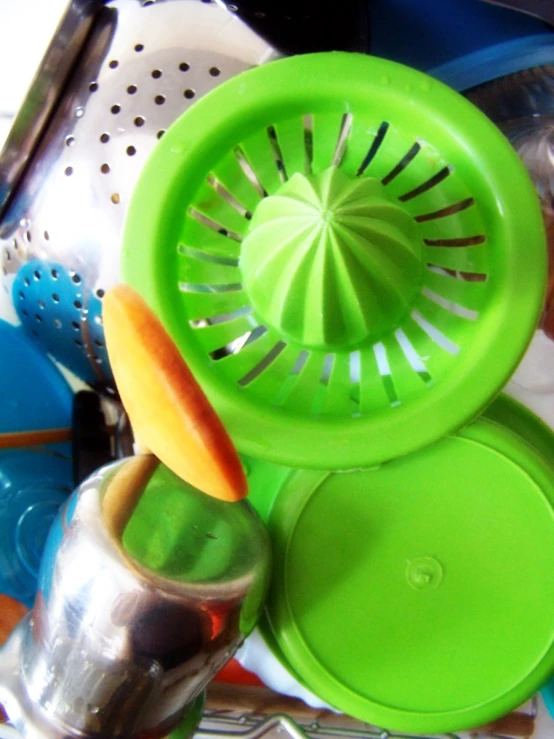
(243, 713)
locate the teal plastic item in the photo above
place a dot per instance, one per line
(33, 485)
(349, 255)
(34, 394)
(417, 595)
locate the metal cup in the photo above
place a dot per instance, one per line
(126, 632)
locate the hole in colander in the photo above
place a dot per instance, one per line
(115, 109)
(226, 195)
(318, 404)
(114, 64)
(263, 364)
(160, 133)
(28, 237)
(139, 47)
(69, 140)
(204, 256)
(342, 141)
(248, 171)
(7, 255)
(236, 345)
(184, 67)
(26, 281)
(46, 236)
(78, 342)
(93, 87)
(77, 304)
(55, 274)
(38, 317)
(21, 295)
(215, 71)
(57, 323)
(213, 225)
(139, 121)
(115, 198)
(355, 376)
(192, 287)
(156, 73)
(15, 244)
(427, 185)
(189, 94)
(55, 297)
(434, 333)
(37, 274)
(443, 212)
(99, 342)
(412, 357)
(309, 141)
(277, 153)
(105, 168)
(385, 372)
(104, 138)
(68, 171)
(25, 312)
(455, 308)
(290, 380)
(457, 274)
(75, 325)
(245, 310)
(100, 293)
(132, 89)
(76, 278)
(131, 151)
(402, 164)
(462, 241)
(374, 148)
(159, 99)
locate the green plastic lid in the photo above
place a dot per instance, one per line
(350, 256)
(417, 596)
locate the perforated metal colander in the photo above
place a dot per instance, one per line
(115, 77)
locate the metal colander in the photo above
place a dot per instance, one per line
(116, 75)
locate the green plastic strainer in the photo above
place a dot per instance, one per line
(349, 255)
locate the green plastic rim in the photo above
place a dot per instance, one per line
(290, 385)
(416, 596)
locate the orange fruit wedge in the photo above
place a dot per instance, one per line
(168, 410)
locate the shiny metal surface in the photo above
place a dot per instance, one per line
(143, 64)
(116, 648)
(44, 94)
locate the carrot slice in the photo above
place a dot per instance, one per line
(169, 412)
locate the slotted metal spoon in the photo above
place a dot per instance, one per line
(114, 78)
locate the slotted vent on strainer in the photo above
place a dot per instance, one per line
(337, 254)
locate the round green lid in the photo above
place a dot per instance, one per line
(418, 596)
(348, 253)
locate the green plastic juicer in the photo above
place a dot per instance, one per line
(349, 255)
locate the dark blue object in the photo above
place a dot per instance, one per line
(461, 42)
